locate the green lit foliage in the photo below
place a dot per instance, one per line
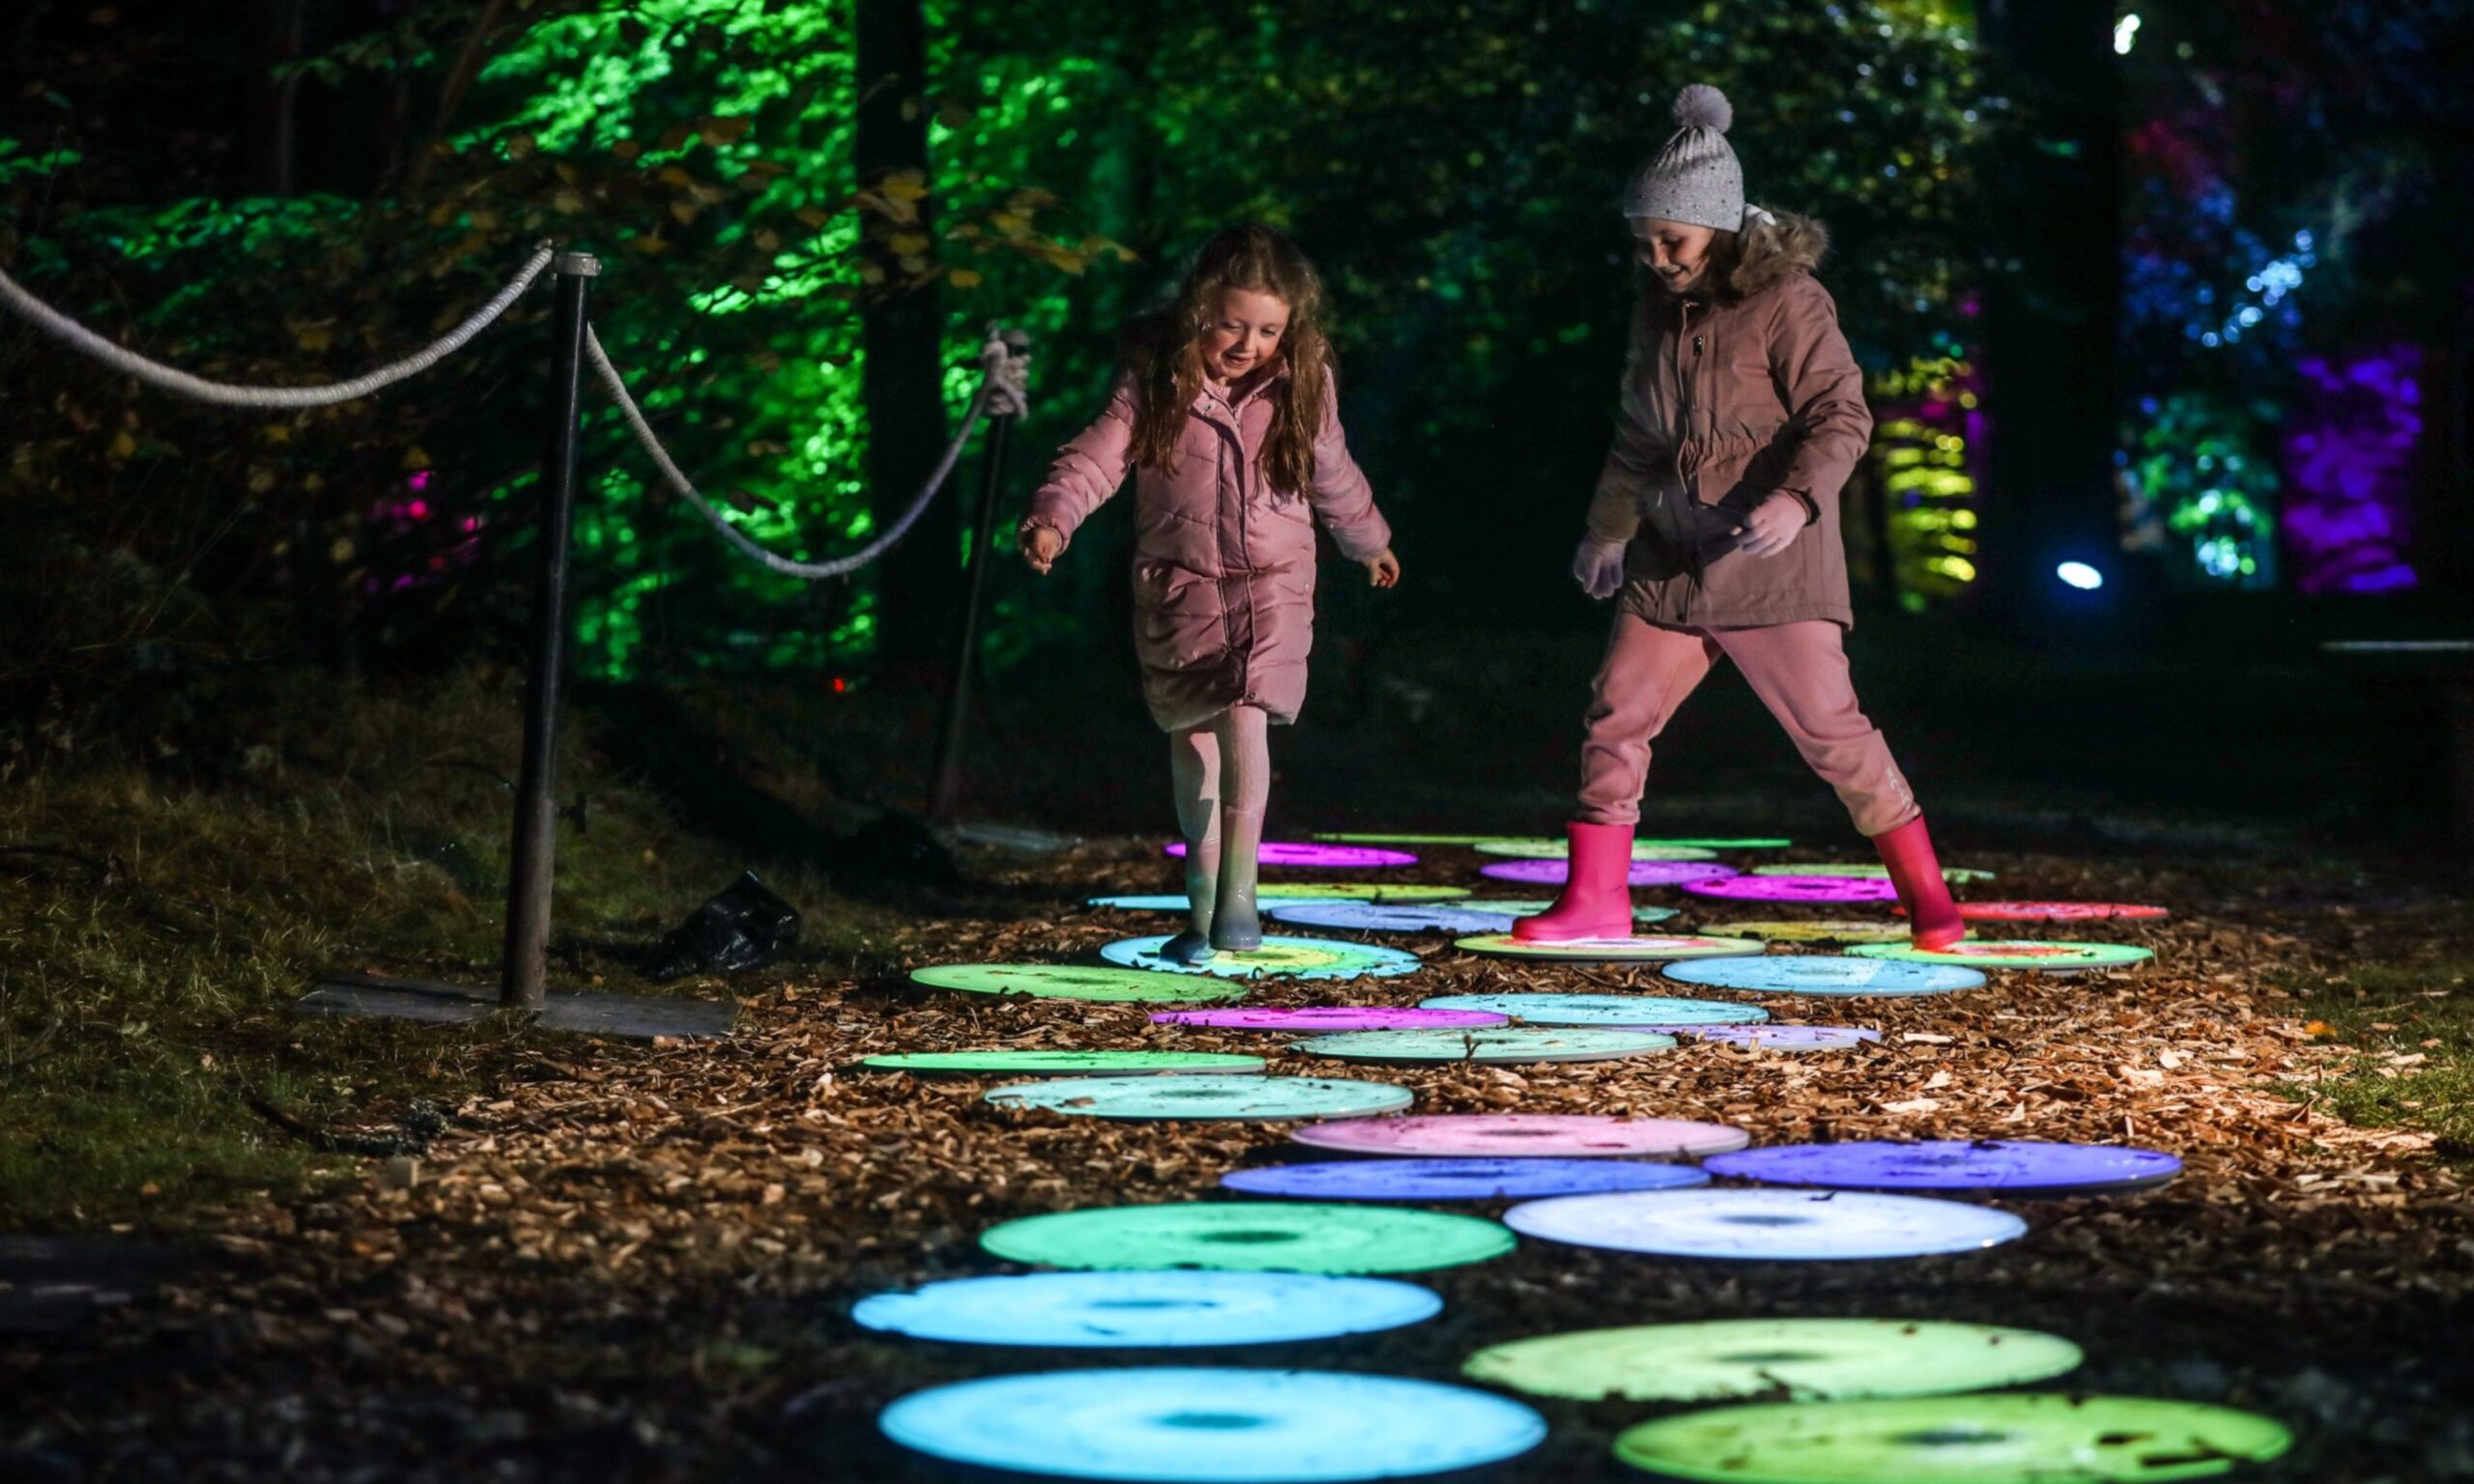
(2201, 492)
(1927, 455)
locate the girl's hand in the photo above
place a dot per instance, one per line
(1041, 547)
(1772, 525)
(1383, 569)
(1597, 565)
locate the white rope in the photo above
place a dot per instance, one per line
(61, 327)
(1004, 391)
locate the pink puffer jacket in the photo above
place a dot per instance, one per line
(1223, 568)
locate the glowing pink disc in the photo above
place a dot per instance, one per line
(1565, 1135)
(1553, 872)
(2057, 912)
(1794, 889)
(1298, 852)
(1335, 1017)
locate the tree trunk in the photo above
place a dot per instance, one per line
(275, 27)
(901, 335)
(2051, 326)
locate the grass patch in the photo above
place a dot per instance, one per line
(2408, 1030)
(162, 906)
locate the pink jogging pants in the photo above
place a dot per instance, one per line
(1800, 672)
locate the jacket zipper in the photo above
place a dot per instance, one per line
(1691, 502)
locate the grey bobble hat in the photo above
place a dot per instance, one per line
(1695, 179)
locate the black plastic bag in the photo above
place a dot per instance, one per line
(745, 927)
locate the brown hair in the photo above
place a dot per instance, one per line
(1165, 352)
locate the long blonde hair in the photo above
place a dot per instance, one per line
(1164, 351)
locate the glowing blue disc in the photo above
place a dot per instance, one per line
(1824, 974)
(1656, 1009)
(1376, 917)
(2011, 1167)
(1458, 1180)
(1213, 1425)
(1186, 1306)
(1789, 1225)
(1277, 958)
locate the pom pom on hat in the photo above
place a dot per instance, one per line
(1703, 106)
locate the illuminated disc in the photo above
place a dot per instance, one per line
(1537, 847)
(1829, 889)
(2050, 1437)
(1820, 931)
(1062, 1064)
(2011, 1167)
(1326, 1018)
(1747, 842)
(1198, 1425)
(1400, 840)
(1554, 873)
(2015, 954)
(1178, 1307)
(1249, 1237)
(1531, 906)
(1866, 870)
(1255, 1100)
(1769, 1225)
(1826, 974)
(1277, 958)
(1291, 891)
(1075, 981)
(1808, 1360)
(1525, 1135)
(1603, 1009)
(1458, 1180)
(1511, 1045)
(1640, 948)
(1317, 856)
(2059, 912)
(1783, 1037)
(1386, 917)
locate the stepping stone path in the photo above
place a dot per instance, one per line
(1869, 1393)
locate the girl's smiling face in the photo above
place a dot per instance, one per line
(1676, 251)
(1243, 335)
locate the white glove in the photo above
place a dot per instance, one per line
(1599, 566)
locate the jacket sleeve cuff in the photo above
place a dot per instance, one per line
(1812, 506)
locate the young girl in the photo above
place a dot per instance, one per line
(1718, 518)
(1225, 412)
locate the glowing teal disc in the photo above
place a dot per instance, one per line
(1075, 981)
(1251, 1237)
(1177, 1307)
(1061, 1064)
(2052, 1437)
(1277, 959)
(1251, 1099)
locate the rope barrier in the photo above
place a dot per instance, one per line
(60, 327)
(1003, 392)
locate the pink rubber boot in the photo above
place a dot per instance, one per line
(1597, 899)
(1933, 919)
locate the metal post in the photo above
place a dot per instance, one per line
(525, 966)
(945, 785)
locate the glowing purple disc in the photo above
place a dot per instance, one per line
(1458, 1180)
(1954, 1164)
(1782, 1037)
(1298, 852)
(1553, 871)
(1793, 889)
(1336, 1018)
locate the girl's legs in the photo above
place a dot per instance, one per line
(1246, 787)
(1646, 674)
(1194, 772)
(1799, 671)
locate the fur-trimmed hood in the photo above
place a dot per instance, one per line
(1776, 246)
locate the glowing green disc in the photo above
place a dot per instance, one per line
(1077, 981)
(1807, 1359)
(2042, 1439)
(1250, 1099)
(1748, 843)
(2014, 954)
(1868, 870)
(1061, 1064)
(1251, 1237)
(1537, 847)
